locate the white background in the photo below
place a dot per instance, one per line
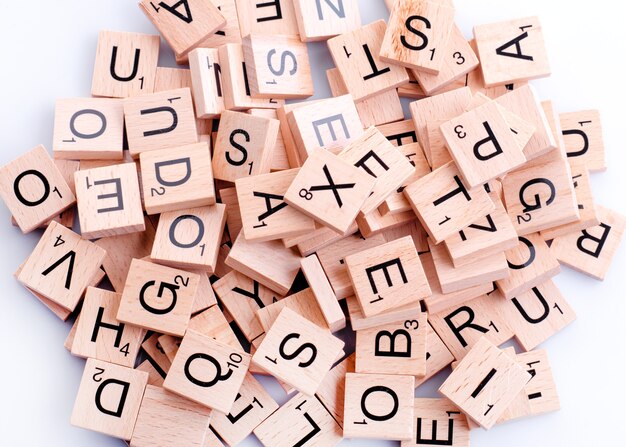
(47, 50)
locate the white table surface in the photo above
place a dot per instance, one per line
(48, 48)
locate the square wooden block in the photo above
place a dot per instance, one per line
(438, 422)
(484, 383)
(108, 399)
(270, 263)
(323, 292)
(109, 201)
(444, 204)
(206, 76)
(512, 51)
(397, 348)
(332, 390)
(207, 371)
(438, 356)
(530, 264)
(375, 155)
(158, 298)
(160, 120)
(488, 236)
(244, 146)
(298, 352)
(330, 190)
(61, 266)
(99, 335)
(265, 214)
(278, 66)
(378, 406)
(177, 178)
(301, 421)
(303, 303)
(323, 20)
(417, 35)
(190, 238)
(125, 64)
(236, 84)
(396, 202)
(398, 263)
(591, 251)
(267, 18)
(167, 420)
(252, 406)
(482, 144)
(88, 128)
(538, 314)
(184, 25)
(356, 55)
(584, 143)
(462, 326)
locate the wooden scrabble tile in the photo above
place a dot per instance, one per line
(280, 159)
(228, 196)
(413, 229)
(524, 103)
(455, 278)
(379, 109)
(457, 61)
(399, 133)
(438, 356)
(244, 146)
(540, 197)
(184, 25)
(243, 297)
(214, 386)
(439, 301)
(591, 251)
(582, 132)
(323, 20)
(61, 266)
(108, 399)
(484, 383)
(486, 237)
(154, 375)
(298, 352)
(586, 206)
(88, 128)
(461, 327)
(158, 298)
(439, 107)
(156, 354)
(213, 323)
(378, 406)
(512, 51)
(177, 178)
(166, 419)
(405, 281)
(190, 238)
(323, 292)
(438, 422)
(418, 35)
(252, 406)
(125, 64)
(329, 123)
(206, 76)
(235, 81)
(332, 390)
(358, 321)
(267, 17)
(302, 421)
(278, 66)
(536, 315)
(330, 190)
(211, 439)
(398, 348)
(530, 263)
(109, 201)
(160, 120)
(170, 345)
(482, 144)
(356, 55)
(443, 214)
(374, 154)
(34, 189)
(121, 250)
(318, 239)
(539, 395)
(269, 263)
(265, 215)
(99, 335)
